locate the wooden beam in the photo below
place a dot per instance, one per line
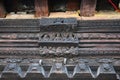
(41, 8)
(88, 7)
(2, 10)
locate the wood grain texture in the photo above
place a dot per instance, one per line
(2, 10)
(41, 8)
(88, 7)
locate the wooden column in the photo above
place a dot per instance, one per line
(88, 7)
(2, 10)
(41, 8)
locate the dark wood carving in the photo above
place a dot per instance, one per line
(88, 7)
(41, 8)
(2, 9)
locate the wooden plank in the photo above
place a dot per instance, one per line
(88, 7)
(73, 5)
(41, 8)
(2, 10)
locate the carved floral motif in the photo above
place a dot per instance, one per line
(57, 37)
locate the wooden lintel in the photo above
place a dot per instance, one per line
(88, 7)
(2, 10)
(41, 8)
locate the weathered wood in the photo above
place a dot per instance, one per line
(73, 5)
(2, 9)
(88, 7)
(41, 8)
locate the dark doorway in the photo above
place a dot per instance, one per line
(64, 5)
(57, 5)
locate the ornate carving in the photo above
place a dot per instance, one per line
(60, 37)
(58, 50)
(20, 67)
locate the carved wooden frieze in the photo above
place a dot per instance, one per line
(59, 50)
(58, 37)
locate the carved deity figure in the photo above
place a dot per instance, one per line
(46, 37)
(58, 37)
(59, 50)
(72, 50)
(45, 50)
(51, 50)
(71, 37)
